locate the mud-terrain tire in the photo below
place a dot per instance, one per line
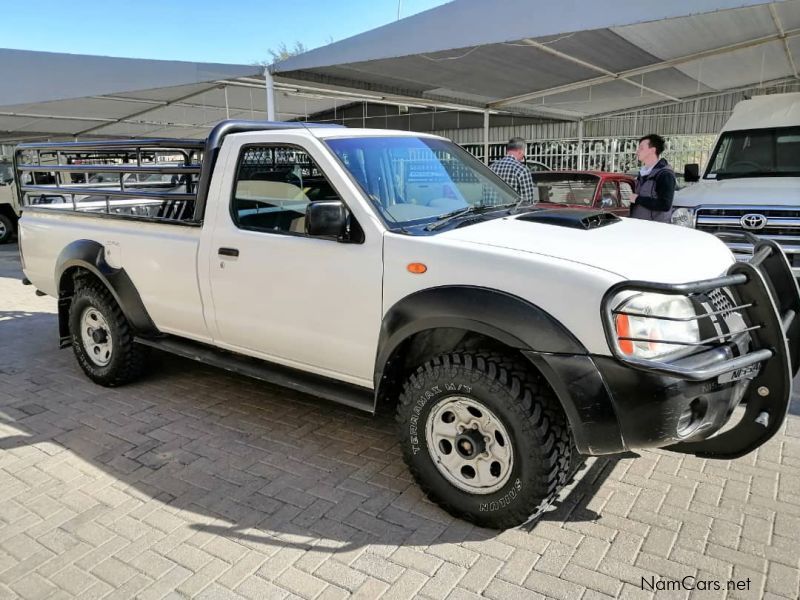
(532, 464)
(102, 339)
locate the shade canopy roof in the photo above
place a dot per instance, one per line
(567, 60)
(570, 59)
(48, 94)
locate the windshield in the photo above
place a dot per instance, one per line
(567, 189)
(757, 153)
(414, 180)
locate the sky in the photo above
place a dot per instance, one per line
(224, 31)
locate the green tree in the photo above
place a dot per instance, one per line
(282, 52)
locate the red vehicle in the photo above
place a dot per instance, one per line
(585, 189)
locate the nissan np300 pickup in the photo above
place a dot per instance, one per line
(392, 269)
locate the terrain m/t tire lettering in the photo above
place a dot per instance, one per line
(485, 437)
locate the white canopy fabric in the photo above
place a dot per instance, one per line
(51, 95)
(566, 60)
(571, 59)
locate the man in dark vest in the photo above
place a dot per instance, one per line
(655, 184)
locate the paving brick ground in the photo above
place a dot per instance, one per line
(198, 483)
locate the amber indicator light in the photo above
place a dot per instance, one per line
(623, 331)
(416, 268)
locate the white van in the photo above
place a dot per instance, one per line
(752, 181)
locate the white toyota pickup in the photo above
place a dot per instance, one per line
(752, 181)
(391, 269)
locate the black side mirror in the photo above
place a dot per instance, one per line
(691, 173)
(329, 218)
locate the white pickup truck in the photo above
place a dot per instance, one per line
(385, 269)
(752, 181)
(9, 210)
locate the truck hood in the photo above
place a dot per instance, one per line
(755, 191)
(630, 248)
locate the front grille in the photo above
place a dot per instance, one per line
(782, 225)
(720, 301)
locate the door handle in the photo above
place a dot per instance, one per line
(228, 252)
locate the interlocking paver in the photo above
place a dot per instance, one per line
(340, 575)
(300, 583)
(502, 590)
(254, 588)
(445, 579)
(197, 483)
(480, 574)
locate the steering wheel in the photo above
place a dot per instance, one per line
(750, 163)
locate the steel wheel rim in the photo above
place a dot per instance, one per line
(469, 445)
(96, 337)
(2, 229)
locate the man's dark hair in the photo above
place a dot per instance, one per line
(655, 141)
(516, 143)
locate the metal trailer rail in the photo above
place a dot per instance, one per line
(199, 158)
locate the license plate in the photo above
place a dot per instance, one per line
(743, 257)
(743, 373)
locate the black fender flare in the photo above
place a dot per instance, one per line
(507, 318)
(90, 255)
(544, 341)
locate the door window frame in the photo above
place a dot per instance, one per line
(232, 194)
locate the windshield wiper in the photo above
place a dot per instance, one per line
(448, 218)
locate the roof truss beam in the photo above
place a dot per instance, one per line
(627, 112)
(150, 108)
(593, 67)
(666, 64)
(779, 26)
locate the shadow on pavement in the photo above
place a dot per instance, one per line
(249, 461)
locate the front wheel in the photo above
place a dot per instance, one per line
(484, 437)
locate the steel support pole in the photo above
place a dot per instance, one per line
(486, 137)
(270, 91)
(580, 145)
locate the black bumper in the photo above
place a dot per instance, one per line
(616, 403)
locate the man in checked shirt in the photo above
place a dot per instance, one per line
(511, 169)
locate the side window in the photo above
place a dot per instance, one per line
(274, 185)
(609, 195)
(625, 192)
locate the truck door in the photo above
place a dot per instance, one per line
(277, 292)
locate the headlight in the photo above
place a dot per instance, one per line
(645, 322)
(683, 217)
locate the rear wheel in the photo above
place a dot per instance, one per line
(6, 229)
(484, 437)
(101, 337)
